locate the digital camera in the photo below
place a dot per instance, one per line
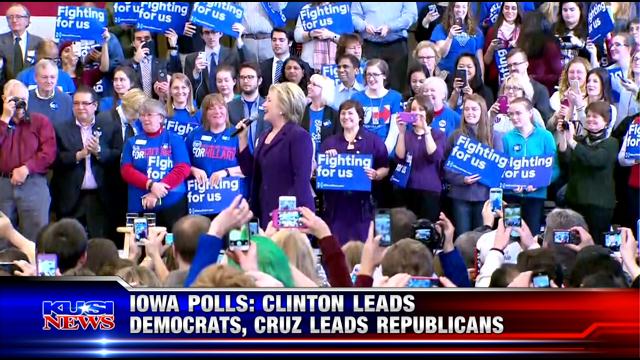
(428, 233)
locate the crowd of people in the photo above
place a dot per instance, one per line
(523, 79)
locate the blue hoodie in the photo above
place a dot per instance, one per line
(539, 143)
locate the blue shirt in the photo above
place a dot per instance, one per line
(106, 103)
(58, 109)
(463, 43)
(182, 123)
(65, 82)
(315, 127)
(378, 113)
(155, 156)
(212, 152)
(447, 121)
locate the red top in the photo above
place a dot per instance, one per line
(634, 177)
(547, 68)
(31, 143)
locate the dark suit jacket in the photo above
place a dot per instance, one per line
(236, 113)
(201, 87)
(282, 167)
(266, 67)
(329, 115)
(6, 51)
(69, 174)
(173, 66)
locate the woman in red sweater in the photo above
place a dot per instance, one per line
(503, 35)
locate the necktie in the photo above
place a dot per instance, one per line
(213, 67)
(145, 69)
(128, 133)
(278, 74)
(18, 62)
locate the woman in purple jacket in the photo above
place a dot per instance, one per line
(281, 162)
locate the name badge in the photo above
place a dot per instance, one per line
(206, 138)
(31, 56)
(225, 138)
(141, 142)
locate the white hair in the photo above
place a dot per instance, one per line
(328, 88)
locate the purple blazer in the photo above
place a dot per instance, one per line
(280, 168)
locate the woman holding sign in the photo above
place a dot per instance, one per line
(212, 150)
(318, 45)
(155, 164)
(349, 213)
(467, 193)
(281, 161)
(591, 158)
(421, 150)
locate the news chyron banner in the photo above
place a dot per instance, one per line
(103, 317)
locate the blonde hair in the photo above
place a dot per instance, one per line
(328, 88)
(439, 83)
(139, 276)
(426, 44)
(133, 99)
(352, 252)
(223, 276)
(292, 100)
(518, 80)
(11, 84)
(208, 102)
(190, 107)
(564, 76)
(550, 11)
(297, 248)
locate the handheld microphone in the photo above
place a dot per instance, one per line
(247, 122)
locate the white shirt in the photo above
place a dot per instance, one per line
(273, 67)
(489, 261)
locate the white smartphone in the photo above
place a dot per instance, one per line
(286, 203)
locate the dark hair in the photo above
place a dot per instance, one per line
(476, 82)
(227, 68)
(500, 20)
(12, 254)
(352, 104)
(516, 51)
(103, 258)
(448, 19)
(402, 220)
(412, 70)
(83, 89)
(602, 108)
(580, 31)
(250, 65)
(67, 239)
(407, 256)
(591, 260)
(527, 103)
(504, 275)
(283, 30)
(306, 74)
(344, 40)
(540, 260)
(380, 64)
(605, 82)
(352, 58)
(602, 279)
(532, 40)
(186, 234)
(133, 80)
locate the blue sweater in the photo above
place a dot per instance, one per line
(58, 109)
(65, 82)
(212, 152)
(446, 121)
(208, 250)
(182, 123)
(539, 143)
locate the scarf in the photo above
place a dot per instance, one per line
(324, 53)
(509, 32)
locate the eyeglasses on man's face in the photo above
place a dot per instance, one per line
(83, 103)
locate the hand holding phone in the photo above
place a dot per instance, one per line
(462, 75)
(47, 264)
(495, 195)
(239, 239)
(613, 240)
(382, 224)
(407, 117)
(512, 217)
(287, 219)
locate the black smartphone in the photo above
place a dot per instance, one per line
(162, 75)
(458, 22)
(254, 227)
(512, 216)
(462, 75)
(148, 45)
(97, 48)
(383, 226)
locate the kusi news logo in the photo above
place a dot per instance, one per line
(78, 315)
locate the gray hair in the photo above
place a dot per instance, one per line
(153, 106)
(44, 63)
(562, 219)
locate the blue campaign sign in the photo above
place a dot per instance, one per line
(632, 141)
(343, 172)
(470, 157)
(219, 16)
(500, 57)
(599, 21)
(80, 23)
(331, 71)
(535, 171)
(126, 12)
(207, 200)
(335, 17)
(159, 17)
(615, 76)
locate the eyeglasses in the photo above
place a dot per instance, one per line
(368, 75)
(16, 17)
(513, 88)
(147, 115)
(512, 65)
(83, 103)
(345, 67)
(247, 77)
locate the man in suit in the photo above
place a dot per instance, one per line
(153, 72)
(86, 147)
(201, 69)
(250, 102)
(273, 68)
(17, 47)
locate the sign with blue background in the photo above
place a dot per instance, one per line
(80, 23)
(343, 172)
(161, 16)
(335, 17)
(632, 141)
(535, 171)
(126, 12)
(599, 22)
(470, 157)
(500, 57)
(219, 16)
(207, 200)
(615, 76)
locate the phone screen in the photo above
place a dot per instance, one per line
(47, 264)
(383, 227)
(140, 229)
(561, 237)
(495, 196)
(462, 75)
(613, 240)
(239, 239)
(512, 216)
(289, 219)
(423, 282)
(423, 234)
(541, 281)
(168, 239)
(287, 203)
(254, 227)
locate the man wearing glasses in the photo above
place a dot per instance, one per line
(518, 63)
(17, 47)
(86, 147)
